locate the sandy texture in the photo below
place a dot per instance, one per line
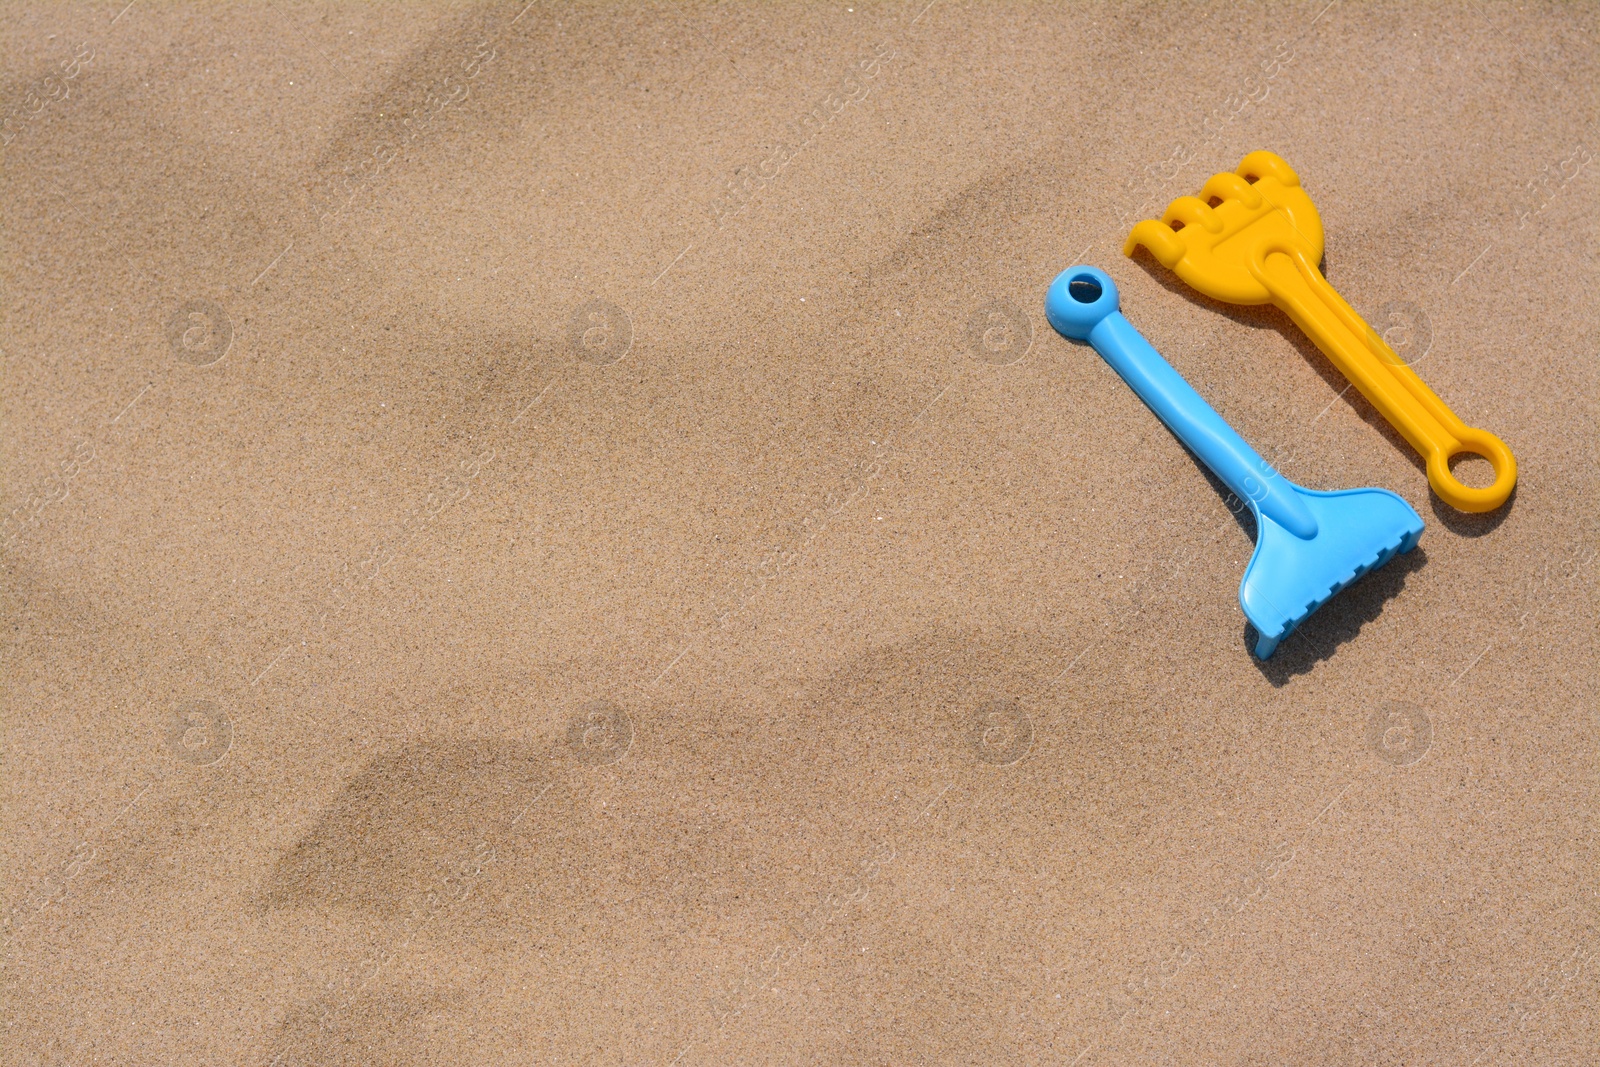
(549, 534)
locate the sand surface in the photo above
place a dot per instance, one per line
(560, 534)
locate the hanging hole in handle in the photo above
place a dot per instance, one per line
(1084, 289)
(1472, 470)
(1477, 449)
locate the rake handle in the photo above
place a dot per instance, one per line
(1437, 433)
(1174, 400)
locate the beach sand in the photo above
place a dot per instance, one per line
(560, 534)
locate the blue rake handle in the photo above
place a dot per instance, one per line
(1082, 304)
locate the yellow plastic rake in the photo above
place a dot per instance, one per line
(1254, 237)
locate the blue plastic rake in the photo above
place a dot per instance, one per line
(1309, 544)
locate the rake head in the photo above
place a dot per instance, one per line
(1218, 241)
(1289, 577)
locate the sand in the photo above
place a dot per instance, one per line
(560, 534)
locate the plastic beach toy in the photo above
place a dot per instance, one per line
(1256, 238)
(1309, 544)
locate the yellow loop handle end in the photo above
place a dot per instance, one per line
(1474, 442)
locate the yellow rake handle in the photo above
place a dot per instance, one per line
(1299, 288)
